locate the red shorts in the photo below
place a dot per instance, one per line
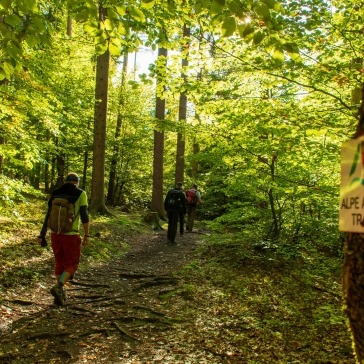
(67, 252)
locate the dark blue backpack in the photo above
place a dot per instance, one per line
(173, 201)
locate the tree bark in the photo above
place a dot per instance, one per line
(99, 146)
(2, 159)
(353, 289)
(353, 268)
(182, 112)
(157, 192)
(115, 156)
(69, 26)
(60, 167)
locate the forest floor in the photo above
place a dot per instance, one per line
(168, 304)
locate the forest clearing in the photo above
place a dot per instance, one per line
(211, 298)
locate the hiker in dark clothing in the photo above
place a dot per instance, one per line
(65, 238)
(175, 206)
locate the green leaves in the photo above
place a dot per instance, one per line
(217, 6)
(258, 37)
(115, 46)
(13, 20)
(292, 51)
(263, 11)
(6, 70)
(136, 14)
(278, 55)
(229, 26)
(148, 4)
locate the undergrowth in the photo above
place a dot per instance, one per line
(24, 262)
(274, 303)
(288, 306)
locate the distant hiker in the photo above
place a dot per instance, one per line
(193, 197)
(175, 206)
(66, 207)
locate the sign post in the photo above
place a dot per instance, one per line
(351, 208)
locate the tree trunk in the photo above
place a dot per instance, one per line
(353, 289)
(48, 158)
(196, 145)
(60, 166)
(353, 268)
(195, 151)
(36, 176)
(99, 146)
(2, 141)
(85, 167)
(115, 156)
(182, 112)
(157, 192)
(276, 227)
(69, 26)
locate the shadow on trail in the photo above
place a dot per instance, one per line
(112, 311)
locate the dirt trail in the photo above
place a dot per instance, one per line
(124, 312)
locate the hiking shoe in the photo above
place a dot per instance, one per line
(59, 295)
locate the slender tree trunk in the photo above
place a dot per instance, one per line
(99, 146)
(2, 142)
(182, 112)
(47, 185)
(60, 166)
(353, 268)
(115, 156)
(195, 150)
(195, 143)
(36, 176)
(69, 26)
(53, 174)
(157, 192)
(47, 180)
(85, 167)
(276, 230)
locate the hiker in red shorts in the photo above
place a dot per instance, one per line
(67, 206)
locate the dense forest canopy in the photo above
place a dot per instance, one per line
(270, 88)
(270, 99)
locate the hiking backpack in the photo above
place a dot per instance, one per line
(191, 198)
(173, 200)
(62, 215)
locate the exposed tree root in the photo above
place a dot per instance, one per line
(74, 283)
(158, 281)
(124, 332)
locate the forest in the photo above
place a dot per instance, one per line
(251, 100)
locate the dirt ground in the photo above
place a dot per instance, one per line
(124, 312)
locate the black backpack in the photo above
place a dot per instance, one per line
(173, 201)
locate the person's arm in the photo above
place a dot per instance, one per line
(43, 232)
(86, 224)
(165, 201)
(198, 195)
(183, 200)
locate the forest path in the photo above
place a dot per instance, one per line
(128, 311)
